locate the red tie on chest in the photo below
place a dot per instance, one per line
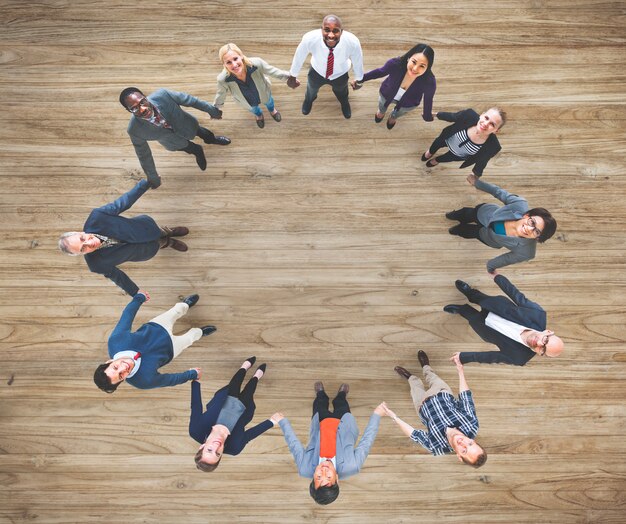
(330, 63)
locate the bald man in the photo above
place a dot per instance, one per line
(515, 324)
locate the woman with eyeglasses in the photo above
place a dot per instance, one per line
(513, 226)
(221, 429)
(470, 139)
(245, 79)
(408, 78)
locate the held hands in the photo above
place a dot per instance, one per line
(471, 179)
(144, 293)
(199, 372)
(293, 82)
(456, 358)
(355, 85)
(276, 418)
(380, 409)
(387, 411)
(493, 274)
(219, 116)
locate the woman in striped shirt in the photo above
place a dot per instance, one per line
(470, 139)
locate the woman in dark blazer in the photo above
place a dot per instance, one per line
(513, 225)
(470, 139)
(409, 78)
(221, 428)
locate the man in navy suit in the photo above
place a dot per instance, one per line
(108, 239)
(515, 324)
(159, 117)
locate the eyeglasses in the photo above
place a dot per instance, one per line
(143, 102)
(532, 223)
(544, 344)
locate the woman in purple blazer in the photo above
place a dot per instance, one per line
(409, 78)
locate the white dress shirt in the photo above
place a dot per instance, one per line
(347, 52)
(506, 327)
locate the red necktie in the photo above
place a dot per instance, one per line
(330, 63)
(137, 356)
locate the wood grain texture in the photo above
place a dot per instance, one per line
(318, 244)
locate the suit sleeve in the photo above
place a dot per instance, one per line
(144, 154)
(295, 447)
(128, 315)
(512, 257)
(385, 70)
(122, 280)
(488, 357)
(482, 161)
(257, 431)
(451, 117)
(127, 200)
(515, 294)
(361, 451)
(195, 418)
(184, 99)
(429, 95)
(272, 71)
(501, 194)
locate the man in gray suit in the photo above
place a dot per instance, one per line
(331, 452)
(160, 117)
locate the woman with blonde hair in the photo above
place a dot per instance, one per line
(245, 79)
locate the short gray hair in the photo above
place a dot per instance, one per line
(64, 245)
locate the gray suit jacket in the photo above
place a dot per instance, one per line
(514, 208)
(184, 126)
(349, 459)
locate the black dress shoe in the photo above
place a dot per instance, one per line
(344, 388)
(378, 120)
(453, 309)
(422, 358)
(452, 215)
(207, 330)
(306, 107)
(404, 373)
(345, 109)
(455, 230)
(260, 122)
(430, 162)
(252, 360)
(221, 140)
(191, 300)
(424, 159)
(463, 287)
(318, 387)
(262, 368)
(390, 125)
(276, 116)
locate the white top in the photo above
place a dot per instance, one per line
(506, 327)
(332, 459)
(399, 94)
(347, 52)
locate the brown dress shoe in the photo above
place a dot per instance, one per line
(318, 386)
(404, 373)
(178, 231)
(177, 245)
(422, 358)
(344, 388)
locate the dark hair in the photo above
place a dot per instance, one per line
(204, 466)
(125, 94)
(480, 460)
(102, 380)
(428, 52)
(324, 494)
(549, 227)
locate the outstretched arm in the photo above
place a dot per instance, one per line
(512, 257)
(487, 357)
(126, 201)
(294, 444)
(122, 280)
(361, 451)
(185, 99)
(302, 51)
(501, 194)
(144, 154)
(128, 315)
(514, 294)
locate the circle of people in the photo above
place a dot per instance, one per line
(513, 323)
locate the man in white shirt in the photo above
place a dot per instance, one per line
(333, 51)
(516, 325)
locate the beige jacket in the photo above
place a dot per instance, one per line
(262, 83)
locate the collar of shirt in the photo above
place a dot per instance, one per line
(106, 241)
(130, 354)
(332, 459)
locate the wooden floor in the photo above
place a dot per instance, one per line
(319, 245)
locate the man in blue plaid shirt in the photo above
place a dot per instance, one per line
(452, 424)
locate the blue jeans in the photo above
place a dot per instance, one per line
(256, 110)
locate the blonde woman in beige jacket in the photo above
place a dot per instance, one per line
(245, 79)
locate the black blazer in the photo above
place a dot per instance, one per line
(464, 120)
(517, 309)
(140, 236)
(201, 424)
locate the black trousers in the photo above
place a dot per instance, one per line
(469, 226)
(315, 81)
(476, 320)
(340, 405)
(234, 387)
(437, 144)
